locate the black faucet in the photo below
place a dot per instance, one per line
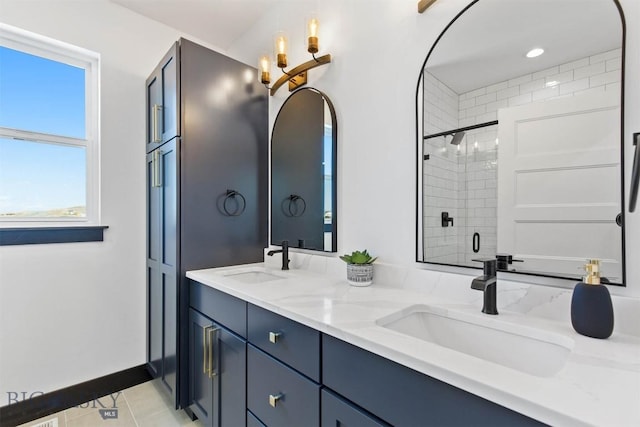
(285, 254)
(505, 260)
(488, 284)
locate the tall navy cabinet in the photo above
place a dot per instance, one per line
(207, 142)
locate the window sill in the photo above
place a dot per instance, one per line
(43, 235)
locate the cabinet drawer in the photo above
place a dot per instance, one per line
(253, 421)
(290, 342)
(227, 310)
(402, 396)
(337, 412)
(278, 395)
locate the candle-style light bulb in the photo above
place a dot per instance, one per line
(281, 50)
(265, 69)
(312, 35)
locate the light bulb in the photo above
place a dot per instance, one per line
(282, 45)
(312, 35)
(281, 50)
(265, 69)
(535, 52)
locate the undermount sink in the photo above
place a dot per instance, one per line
(252, 276)
(526, 349)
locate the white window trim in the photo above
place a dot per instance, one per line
(35, 44)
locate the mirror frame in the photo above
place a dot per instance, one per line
(334, 173)
(420, 138)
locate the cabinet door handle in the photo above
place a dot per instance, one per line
(155, 131)
(159, 168)
(154, 161)
(155, 169)
(212, 339)
(274, 398)
(205, 348)
(274, 336)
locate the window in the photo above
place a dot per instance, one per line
(49, 132)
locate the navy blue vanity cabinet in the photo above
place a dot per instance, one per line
(290, 342)
(217, 357)
(227, 310)
(337, 412)
(404, 397)
(217, 367)
(252, 421)
(278, 395)
(162, 260)
(162, 101)
(207, 204)
(283, 370)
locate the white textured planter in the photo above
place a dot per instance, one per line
(360, 274)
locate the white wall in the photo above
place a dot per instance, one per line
(69, 313)
(378, 49)
(73, 312)
(594, 73)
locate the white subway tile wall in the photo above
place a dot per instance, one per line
(462, 180)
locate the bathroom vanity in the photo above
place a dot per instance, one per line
(319, 352)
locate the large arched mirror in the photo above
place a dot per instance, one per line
(520, 130)
(303, 172)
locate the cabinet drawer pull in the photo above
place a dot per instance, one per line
(205, 348)
(274, 398)
(212, 339)
(274, 336)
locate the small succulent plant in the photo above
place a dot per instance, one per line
(358, 257)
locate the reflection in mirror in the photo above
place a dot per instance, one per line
(520, 157)
(303, 180)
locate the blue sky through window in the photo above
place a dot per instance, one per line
(45, 96)
(41, 95)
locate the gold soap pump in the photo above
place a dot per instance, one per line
(592, 267)
(591, 307)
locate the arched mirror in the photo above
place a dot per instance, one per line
(303, 172)
(520, 130)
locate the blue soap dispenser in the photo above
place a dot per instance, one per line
(591, 307)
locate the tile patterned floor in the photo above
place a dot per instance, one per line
(140, 406)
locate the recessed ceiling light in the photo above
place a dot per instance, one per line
(535, 52)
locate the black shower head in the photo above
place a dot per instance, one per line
(457, 138)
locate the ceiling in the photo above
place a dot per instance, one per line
(488, 43)
(484, 46)
(218, 22)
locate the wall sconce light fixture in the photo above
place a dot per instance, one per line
(297, 76)
(424, 5)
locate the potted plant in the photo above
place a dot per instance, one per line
(359, 268)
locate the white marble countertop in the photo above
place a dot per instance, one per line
(599, 384)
